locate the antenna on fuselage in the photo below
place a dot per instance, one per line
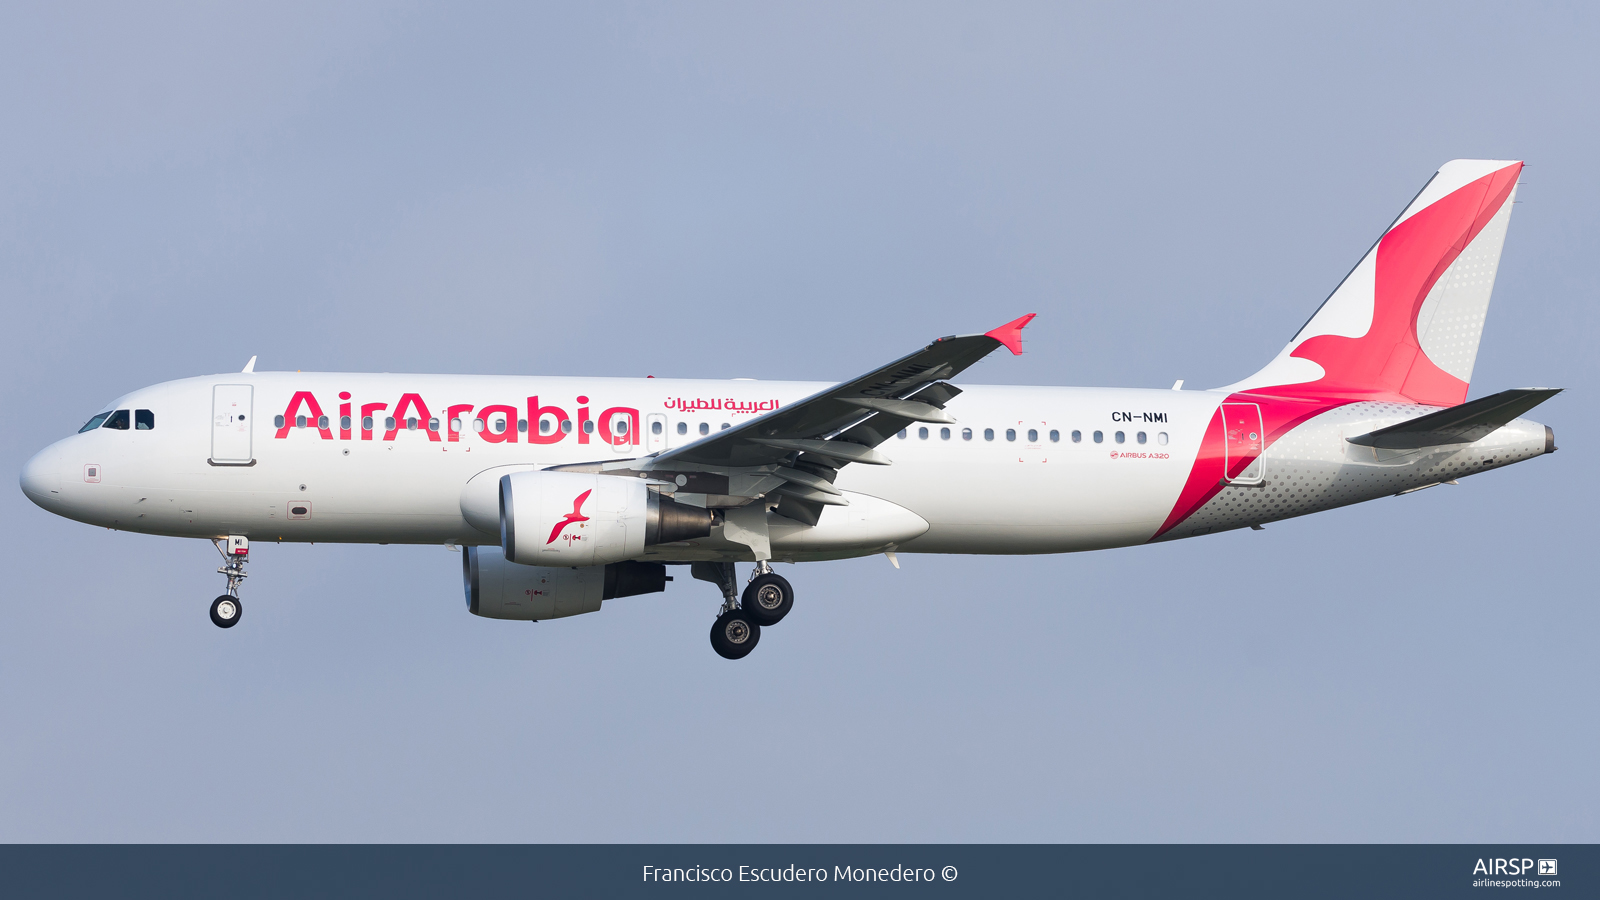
(249, 366)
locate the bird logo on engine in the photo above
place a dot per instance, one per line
(575, 516)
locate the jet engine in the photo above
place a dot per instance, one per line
(498, 589)
(578, 519)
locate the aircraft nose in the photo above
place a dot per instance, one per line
(41, 478)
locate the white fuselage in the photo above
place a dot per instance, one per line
(1024, 470)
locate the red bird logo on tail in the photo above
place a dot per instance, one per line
(575, 516)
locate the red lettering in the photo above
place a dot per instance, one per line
(536, 413)
(583, 421)
(344, 414)
(367, 409)
(509, 436)
(313, 412)
(611, 437)
(411, 402)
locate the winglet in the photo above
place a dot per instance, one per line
(249, 366)
(1010, 333)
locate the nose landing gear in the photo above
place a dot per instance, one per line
(226, 609)
(766, 600)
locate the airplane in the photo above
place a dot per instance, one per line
(562, 493)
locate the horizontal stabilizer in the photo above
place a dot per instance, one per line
(1459, 424)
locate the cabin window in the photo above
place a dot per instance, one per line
(1077, 436)
(620, 426)
(725, 426)
(277, 421)
(99, 420)
(144, 420)
(433, 424)
(902, 434)
(322, 422)
(366, 423)
(988, 434)
(1033, 435)
(498, 425)
(566, 426)
(683, 427)
(1139, 437)
(1121, 437)
(477, 424)
(1011, 434)
(299, 422)
(922, 433)
(588, 427)
(1055, 436)
(522, 425)
(1161, 438)
(655, 428)
(705, 428)
(344, 423)
(1099, 437)
(966, 434)
(545, 425)
(388, 423)
(944, 434)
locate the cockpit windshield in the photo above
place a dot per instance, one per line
(93, 423)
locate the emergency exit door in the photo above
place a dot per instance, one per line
(1243, 440)
(231, 422)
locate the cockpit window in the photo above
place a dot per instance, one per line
(94, 423)
(118, 420)
(144, 420)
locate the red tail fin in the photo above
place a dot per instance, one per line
(1405, 322)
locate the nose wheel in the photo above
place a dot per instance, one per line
(235, 550)
(226, 610)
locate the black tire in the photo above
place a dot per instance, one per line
(767, 599)
(734, 635)
(226, 616)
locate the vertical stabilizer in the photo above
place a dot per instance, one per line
(1405, 323)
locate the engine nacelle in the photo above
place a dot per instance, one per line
(498, 589)
(576, 519)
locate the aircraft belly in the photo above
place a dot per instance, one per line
(1073, 502)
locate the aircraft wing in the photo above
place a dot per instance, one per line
(843, 423)
(796, 452)
(1462, 424)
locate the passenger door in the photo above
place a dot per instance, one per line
(231, 422)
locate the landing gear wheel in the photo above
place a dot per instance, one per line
(767, 599)
(226, 610)
(734, 635)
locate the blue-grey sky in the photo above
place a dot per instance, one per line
(799, 191)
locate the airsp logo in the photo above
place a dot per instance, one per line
(1512, 867)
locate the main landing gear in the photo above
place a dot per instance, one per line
(226, 609)
(766, 600)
